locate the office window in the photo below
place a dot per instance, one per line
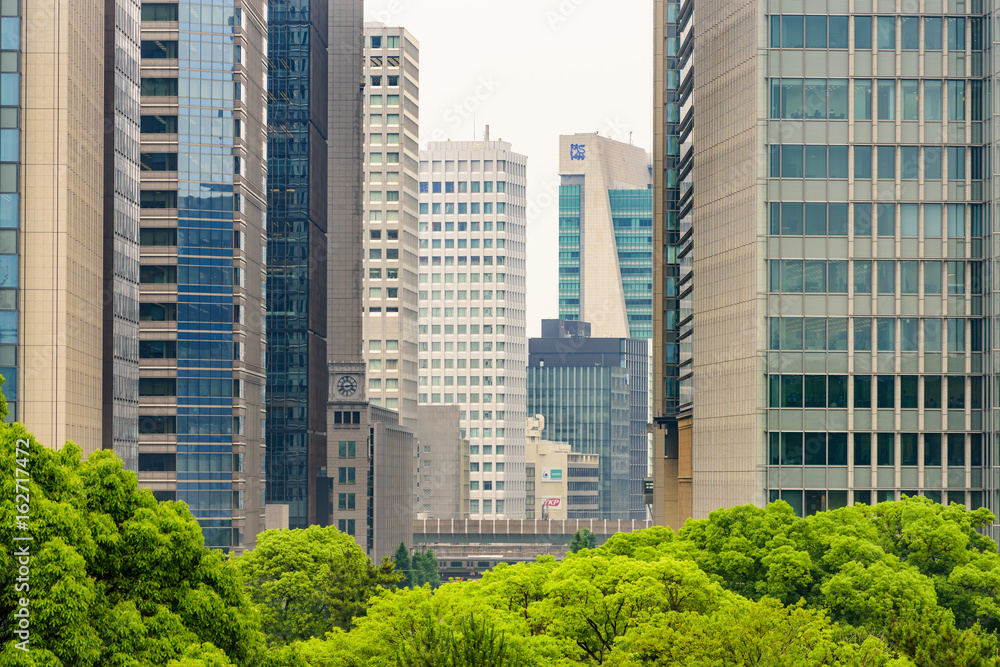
(862, 32)
(932, 99)
(886, 32)
(933, 32)
(886, 102)
(862, 99)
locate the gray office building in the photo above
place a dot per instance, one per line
(594, 393)
(825, 168)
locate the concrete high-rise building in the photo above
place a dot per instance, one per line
(593, 394)
(606, 236)
(392, 169)
(383, 451)
(52, 89)
(202, 263)
(829, 206)
(473, 345)
(297, 226)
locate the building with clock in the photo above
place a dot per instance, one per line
(367, 486)
(473, 344)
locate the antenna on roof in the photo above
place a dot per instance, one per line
(486, 134)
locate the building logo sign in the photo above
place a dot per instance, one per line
(552, 502)
(578, 152)
(552, 474)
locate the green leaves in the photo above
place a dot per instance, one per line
(116, 579)
(309, 582)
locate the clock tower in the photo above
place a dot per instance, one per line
(347, 383)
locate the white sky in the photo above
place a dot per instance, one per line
(532, 70)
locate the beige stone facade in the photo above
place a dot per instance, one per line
(61, 240)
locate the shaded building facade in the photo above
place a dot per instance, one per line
(296, 252)
(593, 394)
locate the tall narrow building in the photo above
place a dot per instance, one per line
(120, 419)
(833, 211)
(202, 263)
(52, 274)
(297, 226)
(606, 236)
(473, 344)
(392, 155)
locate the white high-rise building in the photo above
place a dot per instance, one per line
(392, 149)
(473, 343)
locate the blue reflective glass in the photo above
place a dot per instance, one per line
(10, 32)
(8, 145)
(8, 211)
(8, 327)
(10, 94)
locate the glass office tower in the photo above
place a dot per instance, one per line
(605, 236)
(840, 349)
(201, 311)
(297, 377)
(120, 425)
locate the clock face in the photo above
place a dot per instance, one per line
(347, 385)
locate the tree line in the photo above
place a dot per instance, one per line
(118, 579)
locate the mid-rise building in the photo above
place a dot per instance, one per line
(442, 488)
(392, 170)
(593, 394)
(606, 236)
(832, 211)
(368, 488)
(560, 484)
(202, 263)
(472, 339)
(297, 233)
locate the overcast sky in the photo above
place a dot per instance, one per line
(532, 70)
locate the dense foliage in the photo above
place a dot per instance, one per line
(116, 579)
(898, 584)
(308, 582)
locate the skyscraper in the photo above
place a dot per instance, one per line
(52, 93)
(392, 155)
(120, 423)
(297, 376)
(473, 345)
(605, 236)
(834, 203)
(202, 271)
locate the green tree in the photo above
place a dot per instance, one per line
(402, 561)
(424, 569)
(582, 539)
(308, 582)
(476, 643)
(116, 579)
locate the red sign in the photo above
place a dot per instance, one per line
(552, 502)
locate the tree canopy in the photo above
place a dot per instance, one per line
(308, 582)
(899, 584)
(116, 579)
